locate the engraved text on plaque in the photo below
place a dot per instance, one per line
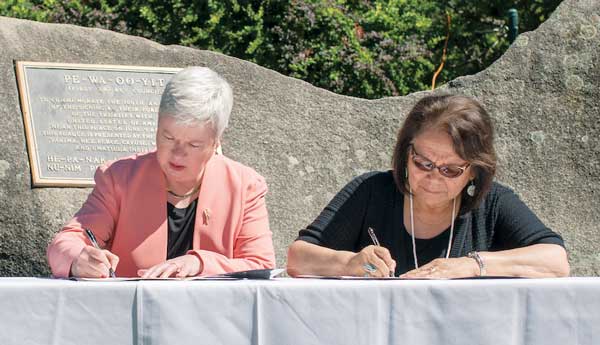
(80, 116)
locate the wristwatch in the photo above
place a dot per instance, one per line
(475, 255)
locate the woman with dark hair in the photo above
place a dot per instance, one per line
(437, 214)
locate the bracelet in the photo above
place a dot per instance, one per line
(475, 255)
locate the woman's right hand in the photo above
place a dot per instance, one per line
(372, 261)
(94, 263)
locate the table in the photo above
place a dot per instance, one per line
(300, 311)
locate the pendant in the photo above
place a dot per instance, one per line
(471, 190)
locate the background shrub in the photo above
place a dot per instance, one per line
(360, 48)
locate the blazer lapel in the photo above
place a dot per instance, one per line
(206, 210)
(152, 215)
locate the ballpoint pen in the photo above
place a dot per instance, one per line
(376, 242)
(373, 237)
(92, 238)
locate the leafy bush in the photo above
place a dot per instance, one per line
(361, 48)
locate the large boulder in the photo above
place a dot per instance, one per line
(544, 95)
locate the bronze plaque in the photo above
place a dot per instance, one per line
(79, 116)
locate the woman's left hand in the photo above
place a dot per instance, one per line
(179, 267)
(445, 268)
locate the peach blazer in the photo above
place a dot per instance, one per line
(127, 211)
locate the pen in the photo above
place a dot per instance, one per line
(376, 242)
(92, 238)
(373, 237)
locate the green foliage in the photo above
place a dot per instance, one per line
(360, 48)
(370, 49)
(479, 34)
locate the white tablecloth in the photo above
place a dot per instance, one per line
(300, 311)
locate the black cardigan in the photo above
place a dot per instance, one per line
(502, 221)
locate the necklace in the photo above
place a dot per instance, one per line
(412, 228)
(181, 196)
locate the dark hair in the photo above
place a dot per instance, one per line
(470, 128)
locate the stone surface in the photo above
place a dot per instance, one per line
(544, 95)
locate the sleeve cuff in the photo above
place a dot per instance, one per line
(61, 263)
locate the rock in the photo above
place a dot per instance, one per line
(544, 96)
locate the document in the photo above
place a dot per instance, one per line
(250, 274)
(307, 276)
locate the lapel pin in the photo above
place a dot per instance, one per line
(206, 215)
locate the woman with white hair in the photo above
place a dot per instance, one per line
(181, 210)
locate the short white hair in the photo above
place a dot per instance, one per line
(198, 95)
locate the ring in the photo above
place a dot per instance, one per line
(369, 267)
(431, 270)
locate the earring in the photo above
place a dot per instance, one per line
(406, 173)
(471, 189)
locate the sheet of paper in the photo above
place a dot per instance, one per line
(121, 279)
(308, 276)
(250, 274)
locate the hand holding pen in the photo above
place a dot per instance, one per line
(371, 261)
(94, 262)
(376, 242)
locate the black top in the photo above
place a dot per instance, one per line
(502, 221)
(181, 229)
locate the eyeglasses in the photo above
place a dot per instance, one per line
(424, 164)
